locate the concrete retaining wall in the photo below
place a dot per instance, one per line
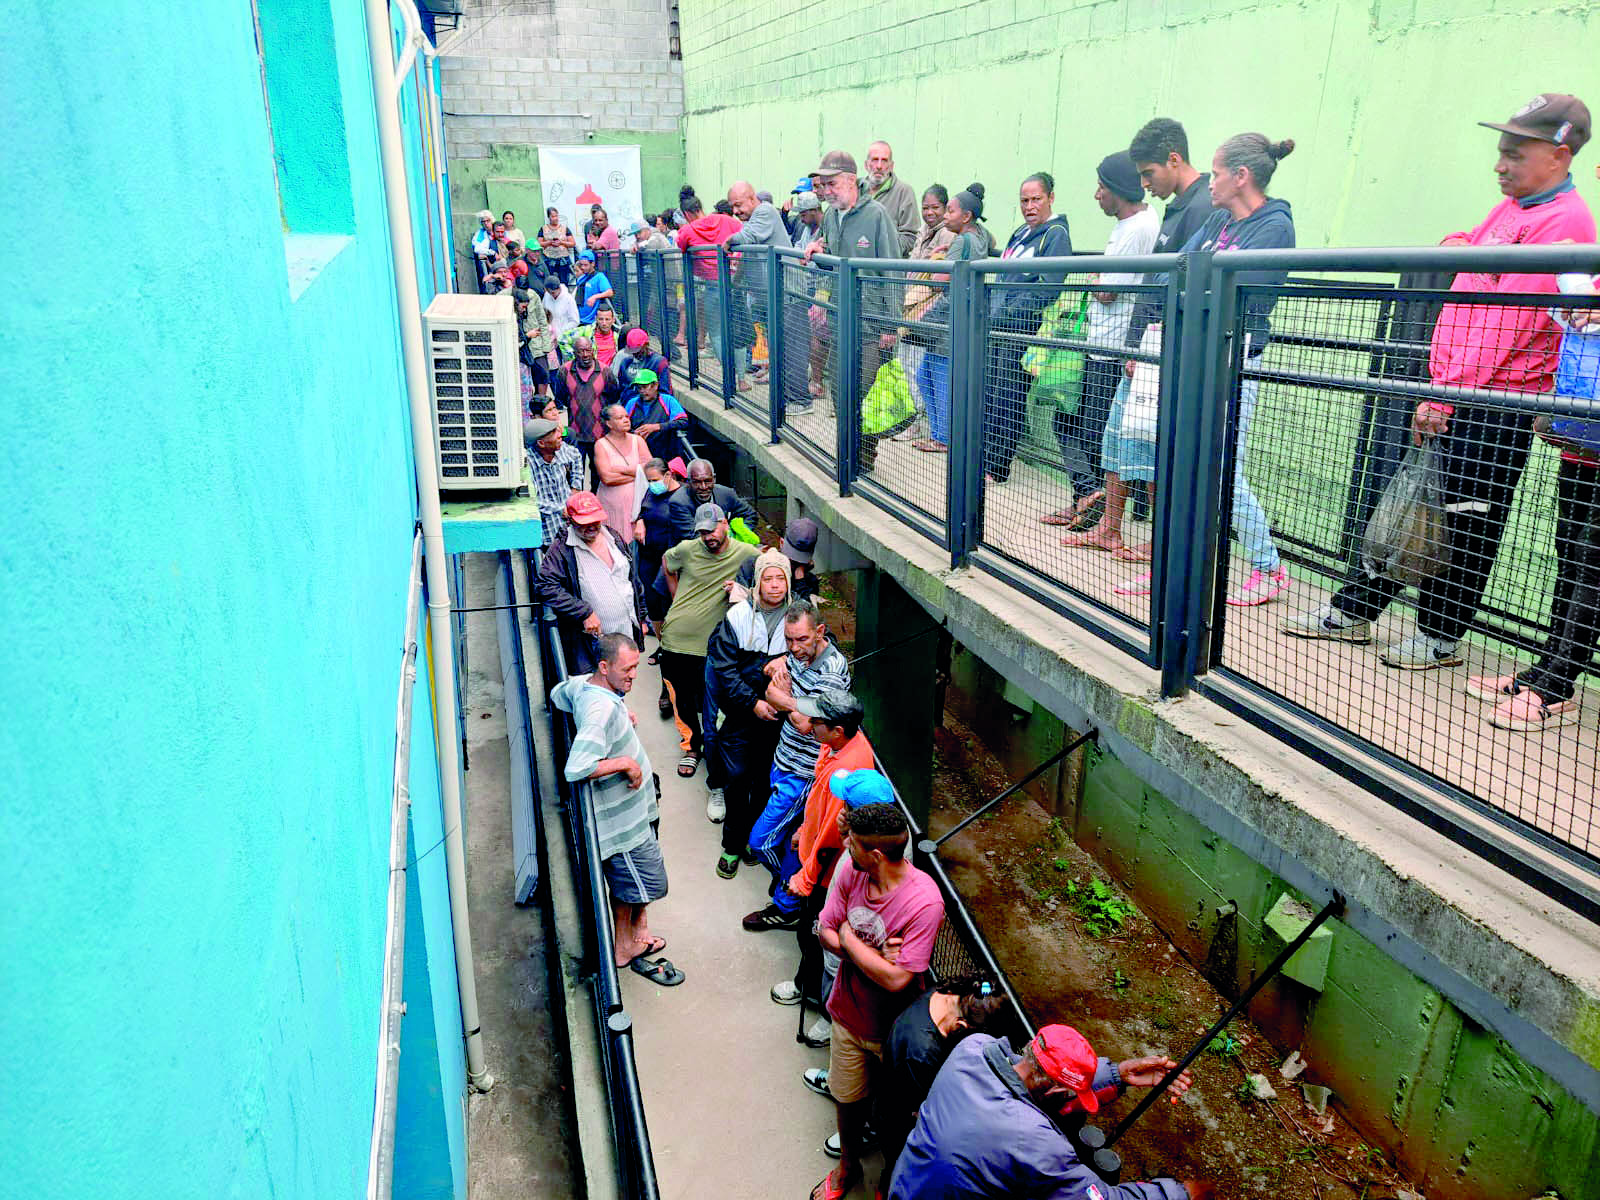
(1460, 1021)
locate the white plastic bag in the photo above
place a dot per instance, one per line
(1142, 407)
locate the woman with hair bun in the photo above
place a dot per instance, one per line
(969, 242)
(1246, 218)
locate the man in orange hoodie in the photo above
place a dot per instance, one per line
(835, 717)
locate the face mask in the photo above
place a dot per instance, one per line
(658, 487)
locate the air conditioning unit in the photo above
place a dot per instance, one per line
(476, 390)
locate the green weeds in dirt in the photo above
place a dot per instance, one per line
(1102, 910)
(1224, 1046)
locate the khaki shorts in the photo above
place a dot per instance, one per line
(851, 1060)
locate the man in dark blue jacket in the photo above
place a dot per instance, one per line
(1015, 307)
(703, 488)
(985, 1129)
(657, 416)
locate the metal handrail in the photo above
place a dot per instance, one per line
(630, 1131)
(1208, 298)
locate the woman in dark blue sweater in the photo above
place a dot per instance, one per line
(1015, 305)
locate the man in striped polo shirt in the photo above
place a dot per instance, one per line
(606, 752)
(813, 665)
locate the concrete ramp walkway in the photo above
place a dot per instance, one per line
(719, 1062)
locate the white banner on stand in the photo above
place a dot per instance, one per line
(574, 177)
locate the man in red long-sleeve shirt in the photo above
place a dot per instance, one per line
(1481, 345)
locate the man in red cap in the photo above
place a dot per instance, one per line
(985, 1129)
(592, 583)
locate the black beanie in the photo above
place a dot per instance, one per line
(1120, 176)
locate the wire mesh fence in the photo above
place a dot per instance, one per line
(1264, 432)
(746, 290)
(1411, 560)
(1055, 373)
(902, 352)
(706, 324)
(810, 330)
(655, 312)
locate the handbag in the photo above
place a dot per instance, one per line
(920, 296)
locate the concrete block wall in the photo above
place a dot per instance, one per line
(1376, 93)
(555, 73)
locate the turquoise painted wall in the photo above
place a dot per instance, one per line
(209, 505)
(1380, 95)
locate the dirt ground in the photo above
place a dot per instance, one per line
(1078, 951)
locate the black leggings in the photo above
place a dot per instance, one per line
(1575, 606)
(687, 675)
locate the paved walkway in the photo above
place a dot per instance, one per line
(718, 1059)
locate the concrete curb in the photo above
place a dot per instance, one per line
(590, 1104)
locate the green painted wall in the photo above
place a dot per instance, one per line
(1452, 1102)
(1380, 95)
(509, 178)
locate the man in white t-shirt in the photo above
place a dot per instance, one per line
(1120, 194)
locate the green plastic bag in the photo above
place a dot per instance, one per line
(740, 532)
(888, 403)
(1058, 373)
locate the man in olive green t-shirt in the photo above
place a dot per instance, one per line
(696, 570)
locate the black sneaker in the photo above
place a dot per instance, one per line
(770, 917)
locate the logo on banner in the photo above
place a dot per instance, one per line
(616, 180)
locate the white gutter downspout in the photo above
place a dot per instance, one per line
(392, 147)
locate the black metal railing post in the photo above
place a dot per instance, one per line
(1172, 579)
(620, 261)
(846, 379)
(775, 347)
(725, 322)
(975, 403)
(668, 318)
(1224, 358)
(691, 318)
(958, 495)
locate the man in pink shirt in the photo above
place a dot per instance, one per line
(881, 918)
(1480, 345)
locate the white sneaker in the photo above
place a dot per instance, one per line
(1419, 652)
(785, 992)
(716, 807)
(816, 1078)
(820, 1032)
(1326, 621)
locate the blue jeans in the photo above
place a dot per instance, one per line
(1249, 519)
(708, 731)
(786, 805)
(708, 312)
(933, 381)
(785, 900)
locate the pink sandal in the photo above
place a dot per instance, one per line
(1526, 712)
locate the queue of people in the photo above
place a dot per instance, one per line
(761, 689)
(762, 694)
